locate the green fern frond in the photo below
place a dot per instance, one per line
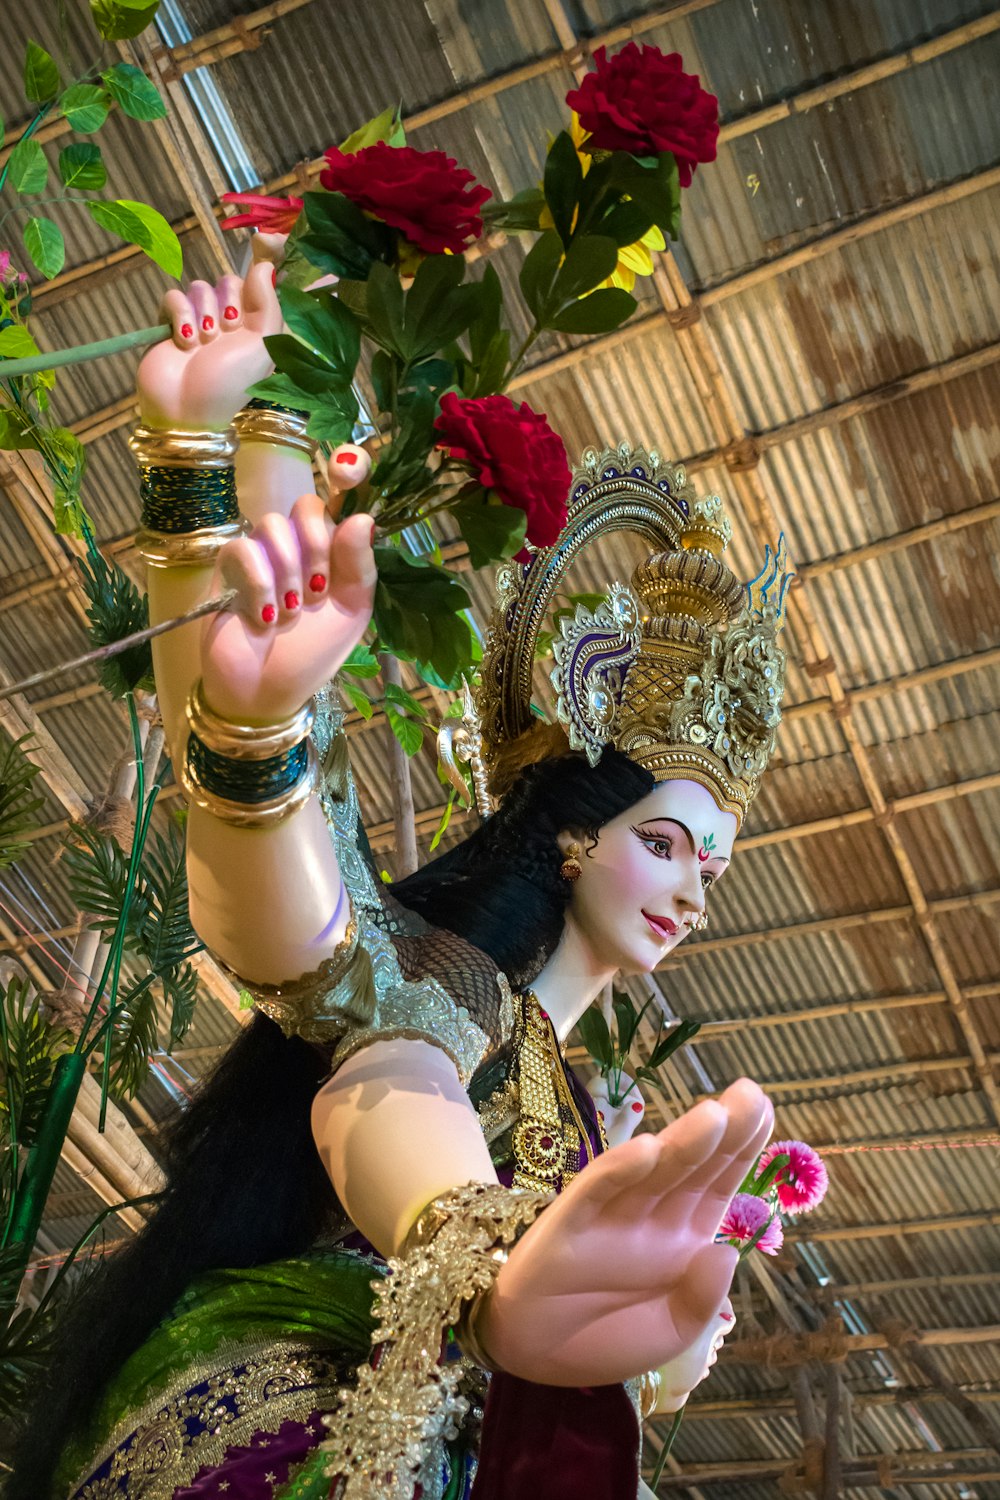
(166, 935)
(98, 873)
(116, 609)
(180, 991)
(18, 804)
(133, 1039)
(27, 1059)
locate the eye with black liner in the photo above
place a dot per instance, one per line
(655, 842)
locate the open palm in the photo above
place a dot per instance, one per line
(621, 1273)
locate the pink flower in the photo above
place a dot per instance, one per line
(273, 215)
(4, 264)
(802, 1184)
(744, 1218)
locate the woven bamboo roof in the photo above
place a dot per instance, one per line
(823, 349)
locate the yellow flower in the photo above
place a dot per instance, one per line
(633, 260)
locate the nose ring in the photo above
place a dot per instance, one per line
(698, 922)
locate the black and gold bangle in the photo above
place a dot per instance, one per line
(188, 490)
(245, 774)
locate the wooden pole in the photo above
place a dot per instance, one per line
(401, 783)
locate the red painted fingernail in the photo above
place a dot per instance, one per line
(231, 313)
(371, 539)
(727, 1317)
(345, 458)
(268, 614)
(637, 1107)
(207, 323)
(274, 276)
(186, 331)
(291, 600)
(318, 582)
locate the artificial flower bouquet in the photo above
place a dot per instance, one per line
(416, 338)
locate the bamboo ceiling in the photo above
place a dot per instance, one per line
(821, 348)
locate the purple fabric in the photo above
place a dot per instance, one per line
(252, 1472)
(557, 1443)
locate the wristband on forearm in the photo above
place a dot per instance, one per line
(188, 492)
(245, 774)
(451, 1257)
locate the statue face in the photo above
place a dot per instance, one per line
(649, 875)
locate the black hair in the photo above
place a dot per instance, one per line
(245, 1184)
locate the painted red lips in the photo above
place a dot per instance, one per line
(662, 926)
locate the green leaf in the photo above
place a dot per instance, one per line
(361, 663)
(18, 803)
(65, 461)
(16, 342)
(599, 313)
(326, 327)
(138, 224)
(27, 1059)
(166, 934)
(563, 178)
(279, 388)
(388, 127)
(490, 532)
(85, 106)
(333, 416)
(402, 699)
(626, 223)
(589, 260)
(409, 734)
(118, 20)
(438, 307)
(596, 1037)
(41, 76)
(518, 214)
(418, 615)
(133, 91)
(308, 370)
(486, 324)
(386, 306)
(626, 1022)
(539, 271)
(45, 245)
(359, 698)
(341, 239)
(17, 431)
(679, 1036)
(28, 171)
(82, 166)
(133, 1040)
(442, 827)
(656, 188)
(97, 872)
(180, 991)
(115, 609)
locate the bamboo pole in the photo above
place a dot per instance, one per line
(757, 1409)
(401, 784)
(786, 1350)
(907, 1067)
(832, 1233)
(920, 677)
(88, 1173)
(882, 1471)
(853, 1289)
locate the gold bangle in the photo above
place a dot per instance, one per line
(246, 741)
(649, 1392)
(166, 447)
(197, 548)
(253, 814)
(280, 429)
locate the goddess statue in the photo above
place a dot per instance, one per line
(398, 1113)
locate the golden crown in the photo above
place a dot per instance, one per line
(682, 671)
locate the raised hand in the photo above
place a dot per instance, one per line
(305, 587)
(198, 378)
(621, 1273)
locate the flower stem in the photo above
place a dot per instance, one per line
(665, 1450)
(521, 354)
(10, 369)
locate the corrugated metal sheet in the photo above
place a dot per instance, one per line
(910, 296)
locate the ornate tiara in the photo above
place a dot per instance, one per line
(681, 671)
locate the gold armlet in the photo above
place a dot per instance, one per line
(449, 1261)
(246, 774)
(188, 492)
(276, 426)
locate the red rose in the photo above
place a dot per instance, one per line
(513, 451)
(432, 201)
(641, 101)
(273, 215)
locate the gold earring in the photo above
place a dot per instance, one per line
(571, 869)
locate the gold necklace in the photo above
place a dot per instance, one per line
(550, 1131)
